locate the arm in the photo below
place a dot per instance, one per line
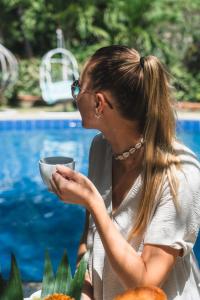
(82, 245)
(87, 291)
(151, 268)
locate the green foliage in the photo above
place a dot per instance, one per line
(63, 282)
(12, 290)
(77, 282)
(63, 277)
(28, 81)
(186, 84)
(166, 28)
(48, 277)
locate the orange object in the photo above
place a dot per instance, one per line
(143, 293)
(58, 297)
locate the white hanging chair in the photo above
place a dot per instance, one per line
(8, 68)
(57, 71)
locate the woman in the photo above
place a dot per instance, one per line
(142, 195)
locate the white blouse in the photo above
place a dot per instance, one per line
(167, 227)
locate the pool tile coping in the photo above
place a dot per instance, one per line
(13, 114)
(10, 115)
(12, 120)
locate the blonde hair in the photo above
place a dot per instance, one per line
(145, 96)
(159, 134)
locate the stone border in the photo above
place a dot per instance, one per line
(191, 106)
(40, 115)
(12, 115)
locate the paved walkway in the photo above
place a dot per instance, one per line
(188, 115)
(12, 114)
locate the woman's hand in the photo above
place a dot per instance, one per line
(73, 187)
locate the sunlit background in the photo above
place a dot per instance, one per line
(43, 46)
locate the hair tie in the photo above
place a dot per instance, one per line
(142, 60)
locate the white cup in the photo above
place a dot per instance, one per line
(47, 167)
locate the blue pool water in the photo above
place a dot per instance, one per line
(32, 219)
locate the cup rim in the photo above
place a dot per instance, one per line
(64, 157)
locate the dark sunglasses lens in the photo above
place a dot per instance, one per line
(75, 89)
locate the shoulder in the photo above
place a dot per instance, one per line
(189, 163)
(99, 139)
(184, 152)
(186, 178)
(99, 143)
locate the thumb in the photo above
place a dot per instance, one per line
(65, 171)
(68, 173)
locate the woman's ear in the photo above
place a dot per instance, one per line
(99, 102)
(102, 102)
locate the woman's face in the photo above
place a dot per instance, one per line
(86, 103)
(92, 104)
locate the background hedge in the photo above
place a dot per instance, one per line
(166, 28)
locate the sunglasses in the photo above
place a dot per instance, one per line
(76, 90)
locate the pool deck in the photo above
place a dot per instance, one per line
(40, 115)
(12, 114)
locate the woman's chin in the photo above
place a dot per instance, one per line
(87, 125)
(84, 124)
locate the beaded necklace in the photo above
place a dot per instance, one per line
(127, 153)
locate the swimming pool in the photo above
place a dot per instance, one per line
(31, 218)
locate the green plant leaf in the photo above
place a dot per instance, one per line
(63, 282)
(2, 284)
(63, 276)
(13, 290)
(48, 277)
(77, 282)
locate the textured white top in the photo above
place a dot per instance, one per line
(167, 227)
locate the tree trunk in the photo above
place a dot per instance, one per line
(27, 44)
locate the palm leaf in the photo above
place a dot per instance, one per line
(2, 284)
(77, 282)
(63, 276)
(13, 290)
(63, 283)
(48, 277)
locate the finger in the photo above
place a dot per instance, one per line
(60, 182)
(64, 186)
(68, 173)
(65, 171)
(75, 177)
(53, 187)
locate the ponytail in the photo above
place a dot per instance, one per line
(159, 133)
